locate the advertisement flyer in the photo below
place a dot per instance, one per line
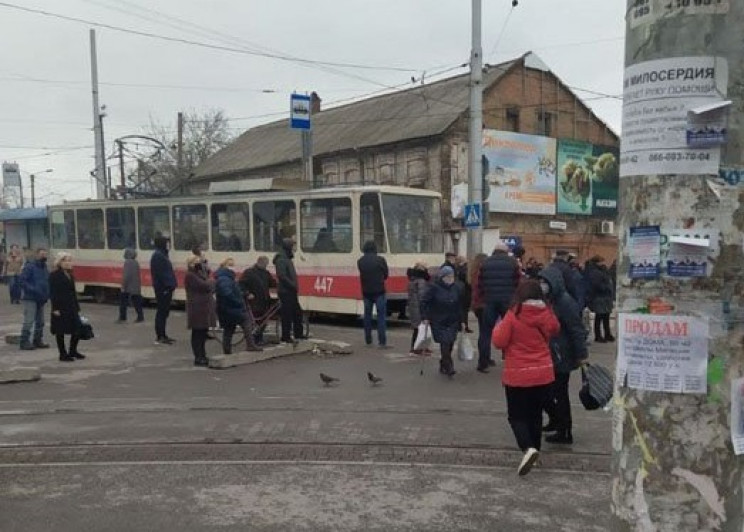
(657, 96)
(520, 172)
(645, 252)
(605, 180)
(663, 353)
(737, 415)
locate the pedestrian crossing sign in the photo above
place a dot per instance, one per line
(472, 216)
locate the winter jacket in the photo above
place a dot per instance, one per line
(161, 270)
(524, 335)
(499, 277)
(568, 277)
(580, 286)
(130, 275)
(569, 347)
(373, 271)
(257, 281)
(201, 308)
(35, 281)
(13, 265)
(63, 300)
(418, 284)
(441, 306)
(230, 302)
(601, 297)
(476, 299)
(285, 270)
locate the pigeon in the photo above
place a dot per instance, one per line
(373, 379)
(327, 379)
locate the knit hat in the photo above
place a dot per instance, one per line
(444, 271)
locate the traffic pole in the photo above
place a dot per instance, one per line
(674, 466)
(475, 132)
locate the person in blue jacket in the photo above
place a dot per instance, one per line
(35, 285)
(441, 309)
(231, 308)
(164, 284)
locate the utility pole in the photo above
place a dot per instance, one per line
(179, 148)
(122, 177)
(32, 177)
(100, 171)
(475, 136)
(674, 466)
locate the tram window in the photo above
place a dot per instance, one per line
(120, 228)
(326, 225)
(63, 229)
(414, 223)
(272, 222)
(371, 221)
(190, 227)
(230, 227)
(153, 222)
(90, 228)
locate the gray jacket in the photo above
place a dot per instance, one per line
(130, 278)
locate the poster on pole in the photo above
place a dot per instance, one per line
(657, 96)
(645, 252)
(520, 172)
(663, 353)
(737, 415)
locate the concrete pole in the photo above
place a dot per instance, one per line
(673, 463)
(32, 178)
(475, 133)
(179, 148)
(100, 171)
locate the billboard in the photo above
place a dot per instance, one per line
(11, 175)
(587, 181)
(519, 172)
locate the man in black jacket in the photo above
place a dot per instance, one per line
(499, 277)
(373, 271)
(255, 283)
(163, 283)
(288, 291)
(561, 263)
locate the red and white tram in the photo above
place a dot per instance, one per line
(330, 226)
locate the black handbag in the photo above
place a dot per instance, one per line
(597, 386)
(85, 329)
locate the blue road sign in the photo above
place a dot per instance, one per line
(472, 216)
(299, 111)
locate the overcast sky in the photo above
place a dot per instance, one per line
(45, 99)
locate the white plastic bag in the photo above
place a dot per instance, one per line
(465, 350)
(423, 337)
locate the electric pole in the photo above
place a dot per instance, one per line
(179, 148)
(475, 134)
(122, 177)
(674, 466)
(32, 178)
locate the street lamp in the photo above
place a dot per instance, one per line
(33, 177)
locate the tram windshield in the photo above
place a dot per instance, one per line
(414, 223)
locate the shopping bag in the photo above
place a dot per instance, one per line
(85, 329)
(423, 337)
(465, 350)
(596, 386)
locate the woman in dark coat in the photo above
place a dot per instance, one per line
(200, 307)
(231, 308)
(65, 307)
(441, 308)
(601, 297)
(418, 284)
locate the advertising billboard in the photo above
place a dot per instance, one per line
(587, 179)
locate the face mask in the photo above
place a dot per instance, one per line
(545, 287)
(448, 280)
(43, 260)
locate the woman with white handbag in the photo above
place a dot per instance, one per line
(418, 283)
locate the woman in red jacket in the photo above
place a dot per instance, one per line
(524, 335)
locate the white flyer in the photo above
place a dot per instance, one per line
(656, 98)
(644, 12)
(737, 415)
(663, 353)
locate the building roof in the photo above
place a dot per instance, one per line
(420, 112)
(19, 215)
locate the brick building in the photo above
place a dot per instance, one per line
(418, 138)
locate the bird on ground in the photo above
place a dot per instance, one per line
(327, 379)
(373, 379)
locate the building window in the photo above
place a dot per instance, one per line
(272, 222)
(230, 227)
(90, 223)
(190, 227)
(120, 228)
(512, 119)
(545, 123)
(326, 225)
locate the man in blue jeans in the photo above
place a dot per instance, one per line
(373, 271)
(35, 284)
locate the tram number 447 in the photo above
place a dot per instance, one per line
(323, 285)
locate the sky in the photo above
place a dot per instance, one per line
(46, 110)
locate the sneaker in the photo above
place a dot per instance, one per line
(67, 358)
(77, 356)
(528, 461)
(482, 369)
(162, 341)
(168, 340)
(561, 437)
(202, 362)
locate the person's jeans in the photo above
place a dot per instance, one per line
(602, 321)
(380, 302)
(492, 313)
(124, 299)
(14, 287)
(163, 311)
(524, 407)
(33, 322)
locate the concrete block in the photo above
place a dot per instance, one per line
(9, 375)
(13, 339)
(282, 350)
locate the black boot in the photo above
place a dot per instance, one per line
(201, 361)
(550, 427)
(563, 437)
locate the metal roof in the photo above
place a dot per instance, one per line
(19, 215)
(420, 112)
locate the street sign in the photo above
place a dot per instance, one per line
(299, 112)
(472, 216)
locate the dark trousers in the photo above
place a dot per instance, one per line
(198, 343)
(445, 362)
(124, 299)
(162, 312)
(492, 313)
(63, 352)
(558, 406)
(14, 287)
(602, 321)
(524, 407)
(228, 329)
(380, 302)
(291, 314)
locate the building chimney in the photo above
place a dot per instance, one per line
(315, 103)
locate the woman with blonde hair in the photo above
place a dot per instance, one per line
(200, 307)
(65, 307)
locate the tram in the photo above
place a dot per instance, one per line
(329, 225)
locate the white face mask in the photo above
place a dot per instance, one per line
(545, 287)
